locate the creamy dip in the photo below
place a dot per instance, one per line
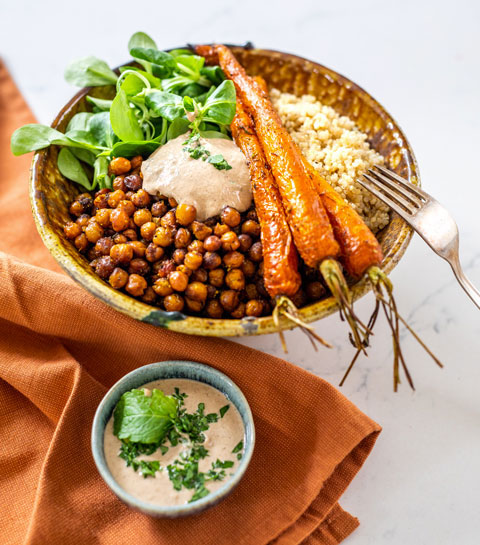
(170, 171)
(221, 439)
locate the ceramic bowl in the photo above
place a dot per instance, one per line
(51, 194)
(164, 370)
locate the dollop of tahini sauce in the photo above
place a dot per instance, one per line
(221, 439)
(170, 171)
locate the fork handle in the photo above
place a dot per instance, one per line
(469, 288)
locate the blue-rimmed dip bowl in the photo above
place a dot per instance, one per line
(168, 370)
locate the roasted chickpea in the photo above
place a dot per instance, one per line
(229, 300)
(76, 208)
(85, 199)
(230, 241)
(103, 246)
(165, 267)
(153, 253)
(141, 198)
(261, 287)
(172, 202)
(185, 213)
(139, 266)
(179, 255)
(220, 229)
(249, 268)
(115, 197)
(193, 260)
(119, 220)
(199, 275)
(118, 278)
(251, 227)
(93, 231)
(173, 303)
(212, 243)
(120, 165)
(159, 209)
(138, 248)
(162, 287)
(149, 296)
(238, 312)
(118, 183)
(233, 260)
(127, 206)
(133, 182)
(200, 230)
(235, 279)
(251, 291)
(131, 234)
(148, 230)
(142, 216)
(252, 214)
(183, 238)
(230, 216)
(72, 230)
(214, 309)
(196, 291)
(102, 217)
(121, 253)
(211, 260)
(192, 305)
(183, 268)
(119, 238)
(129, 195)
(299, 299)
(136, 285)
(163, 236)
(136, 161)
(253, 308)
(245, 242)
(168, 220)
(211, 291)
(216, 277)
(196, 246)
(178, 280)
(315, 290)
(104, 266)
(256, 252)
(82, 220)
(101, 201)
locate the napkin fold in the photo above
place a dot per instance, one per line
(60, 351)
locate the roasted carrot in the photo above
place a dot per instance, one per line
(280, 258)
(207, 51)
(279, 254)
(308, 220)
(361, 254)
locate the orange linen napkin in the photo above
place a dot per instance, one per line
(61, 349)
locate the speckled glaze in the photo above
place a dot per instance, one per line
(51, 194)
(163, 370)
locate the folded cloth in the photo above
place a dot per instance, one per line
(61, 349)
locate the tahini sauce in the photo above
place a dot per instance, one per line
(221, 438)
(170, 171)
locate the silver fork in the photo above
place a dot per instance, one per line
(427, 216)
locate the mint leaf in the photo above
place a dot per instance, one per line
(144, 419)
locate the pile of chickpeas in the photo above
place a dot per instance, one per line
(155, 250)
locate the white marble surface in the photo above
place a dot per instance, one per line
(421, 484)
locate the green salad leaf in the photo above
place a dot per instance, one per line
(33, 137)
(100, 103)
(221, 105)
(142, 40)
(72, 169)
(90, 72)
(144, 419)
(122, 118)
(167, 105)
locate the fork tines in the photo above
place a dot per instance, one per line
(402, 196)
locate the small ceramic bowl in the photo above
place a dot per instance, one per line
(165, 370)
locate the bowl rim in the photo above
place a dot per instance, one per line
(171, 369)
(184, 323)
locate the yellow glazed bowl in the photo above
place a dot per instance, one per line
(51, 194)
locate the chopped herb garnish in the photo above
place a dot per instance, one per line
(223, 410)
(197, 151)
(238, 448)
(219, 162)
(153, 416)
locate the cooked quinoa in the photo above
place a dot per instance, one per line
(337, 149)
